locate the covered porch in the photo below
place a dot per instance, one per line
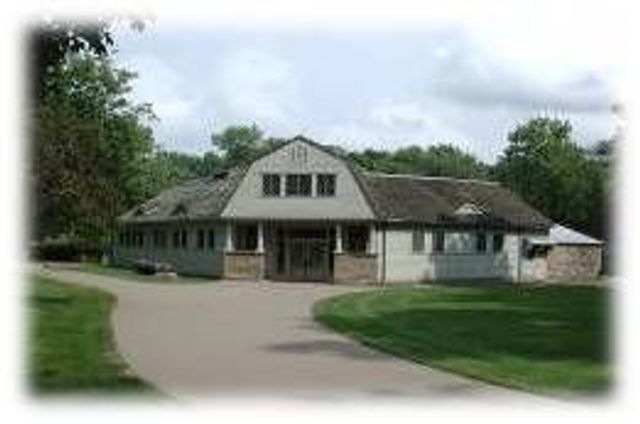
(301, 251)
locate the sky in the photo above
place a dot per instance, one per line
(467, 83)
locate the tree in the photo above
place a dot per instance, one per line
(238, 143)
(440, 160)
(51, 43)
(90, 145)
(547, 169)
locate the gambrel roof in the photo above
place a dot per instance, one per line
(392, 198)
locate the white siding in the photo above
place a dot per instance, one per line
(190, 260)
(402, 265)
(459, 261)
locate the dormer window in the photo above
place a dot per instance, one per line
(298, 185)
(326, 185)
(271, 185)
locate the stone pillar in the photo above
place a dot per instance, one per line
(229, 247)
(260, 246)
(338, 238)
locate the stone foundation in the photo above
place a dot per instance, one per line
(354, 268)
(574, 262)
(244, 265)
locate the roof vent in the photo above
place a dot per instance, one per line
(469, 209)
(180, 209)
(220, 175)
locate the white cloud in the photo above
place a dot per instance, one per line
(403, 115)
(255, 85)
(161, 85)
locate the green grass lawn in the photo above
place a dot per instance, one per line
(115, 271)
(70, 344)
(548, 339)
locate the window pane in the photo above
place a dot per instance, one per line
(481, 242)
(305, 185)
(246, 237)
(271, 184)
(498, 242)
(438, 241)
(418, 240)
(326, 185)
(183, 238)
(298, 185)
(176, 238)
(211, 240)
(200, 239)
(357, 238)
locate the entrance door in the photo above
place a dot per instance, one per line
(308, 259)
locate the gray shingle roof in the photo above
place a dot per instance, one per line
(429, 200)
(195, 199)
(435, 200)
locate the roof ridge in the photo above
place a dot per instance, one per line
(430, 177)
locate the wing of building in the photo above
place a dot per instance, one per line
(303, 212)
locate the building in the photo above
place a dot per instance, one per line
(565, 254)
(303, 212)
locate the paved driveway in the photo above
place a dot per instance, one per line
(256, 338)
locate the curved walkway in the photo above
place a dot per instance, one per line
(256, 338)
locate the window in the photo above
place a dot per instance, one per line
(211, 239)
(481, 242)
(357, 238)
(418, 239)
(298, 185)
(176, 239)
(159, 238)
(326, 185)
(498, 242)
(180, 238)
(271, 185)
(183, 238)
(138, 238)
(438, 241)
(246, 237)
(200, 242)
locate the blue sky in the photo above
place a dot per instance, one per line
(455, 82)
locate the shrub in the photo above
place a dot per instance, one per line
(66, 249)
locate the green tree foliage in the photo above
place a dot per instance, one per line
(51, 43)
(165, 169)
(439, 160)
(242, 143)
(543, 165)
(91, 144)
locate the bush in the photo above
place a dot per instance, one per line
(66, 249)
(150, 267)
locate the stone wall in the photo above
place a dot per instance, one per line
(243, 265)
(354, 268)
(566, 262)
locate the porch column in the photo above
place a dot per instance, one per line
(229, 247)
(260, 246)
(371, 245)
(338, 238)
